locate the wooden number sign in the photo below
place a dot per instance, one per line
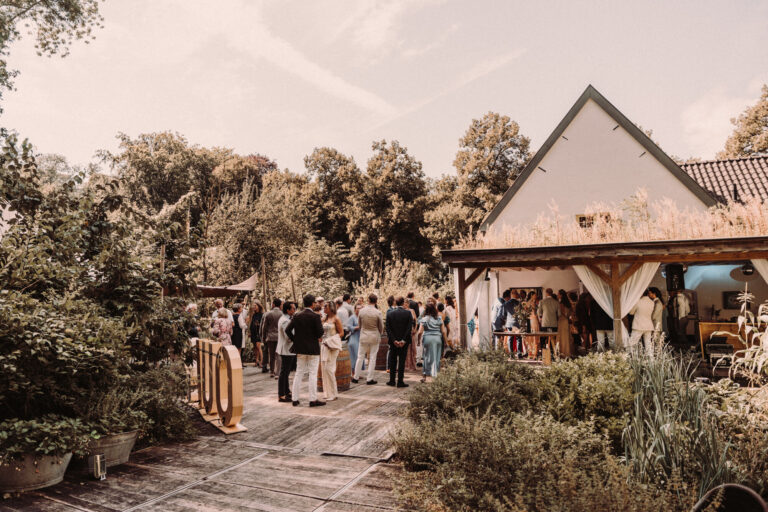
(220, 385)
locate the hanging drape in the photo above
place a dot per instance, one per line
(762, 268)
(630, 292)
(477, 298)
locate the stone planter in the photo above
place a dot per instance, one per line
(33, 472)
(115, 447)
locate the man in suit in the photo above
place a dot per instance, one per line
(371, 327)
(399, 333)
(269, 336)
(305, 330)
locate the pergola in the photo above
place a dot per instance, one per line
(614, 263)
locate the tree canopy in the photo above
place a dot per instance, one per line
(750, 136)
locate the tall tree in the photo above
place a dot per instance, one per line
(337, 180)
(386, 215)
(491, 155)
(446, 220)
(55, 24)
(750, 136)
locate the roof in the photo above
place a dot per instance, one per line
(748, 175)
(590, 93)
(678, 251)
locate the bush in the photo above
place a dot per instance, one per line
(48, 435)
(480, 382)
(528, 463)
(597, 387)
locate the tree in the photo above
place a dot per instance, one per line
(491, 155)
(55, 23)
(750, 136)
(337, 180)
(386, 215)
(232, 174)
(446, 220)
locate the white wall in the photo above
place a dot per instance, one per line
(555, 279)
(596, 163)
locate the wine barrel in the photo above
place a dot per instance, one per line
(343, 371)
(381, 355)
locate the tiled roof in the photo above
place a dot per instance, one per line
(749, 176)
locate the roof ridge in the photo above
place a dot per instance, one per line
(751, 157)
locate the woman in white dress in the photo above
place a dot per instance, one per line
(329, 351)
(453, 322)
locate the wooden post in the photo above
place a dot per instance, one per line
(462, 308)
(616, 295)
(264, 284)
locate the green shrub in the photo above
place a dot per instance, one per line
(482, 382)
(529, 463)
(672, 429)
(47, 435)
(597, 387)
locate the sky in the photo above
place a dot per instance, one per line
(282, 77)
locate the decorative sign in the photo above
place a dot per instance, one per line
(220, 385)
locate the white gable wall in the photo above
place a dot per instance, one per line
(596, 163)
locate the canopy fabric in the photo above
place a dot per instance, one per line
(762, 267)
(250, 284)
(631, 290)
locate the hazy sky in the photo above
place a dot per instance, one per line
(282, 77)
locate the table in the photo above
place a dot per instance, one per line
(546, 352)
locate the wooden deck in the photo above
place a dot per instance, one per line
(330, 459)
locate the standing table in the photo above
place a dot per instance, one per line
(546, 351)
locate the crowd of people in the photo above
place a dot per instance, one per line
(302, 340)
(578, 323)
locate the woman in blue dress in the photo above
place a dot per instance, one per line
(432, 331)
(353, 344)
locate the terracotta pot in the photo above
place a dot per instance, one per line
(33, 472)
(115, 447)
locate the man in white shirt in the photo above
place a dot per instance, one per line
(341, 311)
(549, 311)
(220, 304)
(371, 327)
(642, 324)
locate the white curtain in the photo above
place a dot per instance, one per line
(762, 268)
(630, 292)
(476, 297)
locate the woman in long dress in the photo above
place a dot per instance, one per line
(222, 327)
(453, 322)
(353, 343)
(254, 322)
(564, 339)
(329, 351)
(432, 330)
(532, 342)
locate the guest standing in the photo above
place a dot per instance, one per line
(353, 344)
(453, 325)
(305, 330)
(603, 324)
(432, 330)
(642, 324)
(533, 342)
(238, 328)
(222, 327)
(371, 327)
(257, 315)
(269, 335)
(411, 361)
(287, 358)
(329, 350)
(564, 339)
(548, 311)
(399, 336)
(584, 320)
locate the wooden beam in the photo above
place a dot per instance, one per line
(474, 275)
(628, 273)
(463, 308)
(601, 274)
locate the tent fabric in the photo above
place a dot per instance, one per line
(250, 284)
(631, 291)
(762, 268)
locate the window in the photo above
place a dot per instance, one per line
(587, 221)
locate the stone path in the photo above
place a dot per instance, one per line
(330, 459)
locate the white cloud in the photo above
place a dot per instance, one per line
(433, 45)
(706, 122)
(247, 30)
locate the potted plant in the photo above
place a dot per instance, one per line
(35, 453)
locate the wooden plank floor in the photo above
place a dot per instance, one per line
(330, 459)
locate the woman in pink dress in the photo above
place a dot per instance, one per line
(222, 328)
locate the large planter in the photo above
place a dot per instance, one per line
(33, 472)
(115, 447)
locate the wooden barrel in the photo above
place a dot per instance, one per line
(381, 355)
(343, 371)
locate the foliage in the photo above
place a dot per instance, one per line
(635, 219)
(446, 220)
(526, 463)
(752, 361)
(400, 277)
(316, 266)
(492, 153)
(386, 214)
(478, 383)
(597, 388)
(55, 24)
(50, 434)
(113, 410)
(671, 430)
(750, 137)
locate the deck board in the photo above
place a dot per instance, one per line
(278, 464)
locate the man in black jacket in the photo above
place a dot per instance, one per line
(306, 332)
(399, 334)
